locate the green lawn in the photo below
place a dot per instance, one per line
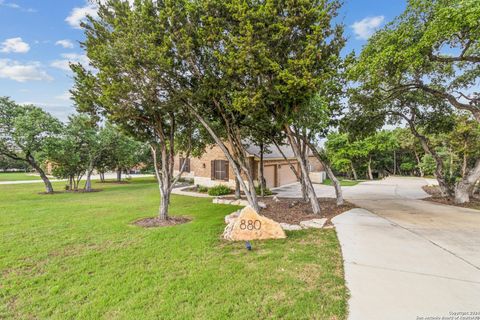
(77, 256)
(17, 176)
(343, 182)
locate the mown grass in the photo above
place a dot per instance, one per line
(17, 176)
(343, 182)
(78, 256)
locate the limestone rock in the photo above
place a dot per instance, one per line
(314, 223)
(275, 199)
(232, 216)
(290, 227)
(249, 225)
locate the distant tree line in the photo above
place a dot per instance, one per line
(32, 138)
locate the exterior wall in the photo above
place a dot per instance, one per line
(200, 169)
(315, 165)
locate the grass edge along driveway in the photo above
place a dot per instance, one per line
(77, 256)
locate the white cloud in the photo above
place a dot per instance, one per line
(79, 14)
(365, 28)
(22, 72)
(13, 5)
(15, 45)
(67, 44)
(64, 64)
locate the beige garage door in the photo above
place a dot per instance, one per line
(285, 175)
(269, 174)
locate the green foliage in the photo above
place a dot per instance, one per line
(428, 165)
(25, 130)
(266, 191)
(432, 47)
(219, 190)
(202, 189)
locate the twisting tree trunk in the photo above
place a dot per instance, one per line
(164, 165)
(88, 182)
(445, 189)
(237, 189)
(370, 175)
(418, 163)
(46, 181)
(322, 158)
(354, 172)
(237, 160)
(464, 187)
(304, 170)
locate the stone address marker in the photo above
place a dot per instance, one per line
(249, 225)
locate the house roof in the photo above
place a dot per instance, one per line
(271, 151)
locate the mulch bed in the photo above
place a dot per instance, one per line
(293, 211)
(156, 222)
(436, 196)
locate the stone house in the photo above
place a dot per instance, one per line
(212, 168)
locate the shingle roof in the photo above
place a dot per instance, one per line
(271, 151)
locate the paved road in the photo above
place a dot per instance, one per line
(404, 257)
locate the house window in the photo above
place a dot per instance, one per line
(219, 170)
(187, 164)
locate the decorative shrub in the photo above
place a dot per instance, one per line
(202, 189)
(219, 190)
(266, 191)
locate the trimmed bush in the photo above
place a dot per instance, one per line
(266, 191)
(219, 190)
(202, 189)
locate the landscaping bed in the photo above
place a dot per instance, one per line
(293, 211)
(437, 197)
(156, 222)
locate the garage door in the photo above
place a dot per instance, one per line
(269, 174)
(285, 175)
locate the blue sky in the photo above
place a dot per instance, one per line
(38, 38)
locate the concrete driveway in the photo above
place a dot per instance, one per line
(407, 258)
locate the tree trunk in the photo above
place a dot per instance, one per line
(464, 164)
(262, 178)
(354, 172)
(304, 171)
(394, 163)
(46, 181)
(102, 176)
(330, 174)
(164, 203)
(119, 174)
(237, 189)
(476, 187)
(370, 175)
(418, 163)
(88, 182)
(163, 180)
(464, 187)
(442, 183)
(304, 188)
(249, 193)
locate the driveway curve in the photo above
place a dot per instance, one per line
(407, 258)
